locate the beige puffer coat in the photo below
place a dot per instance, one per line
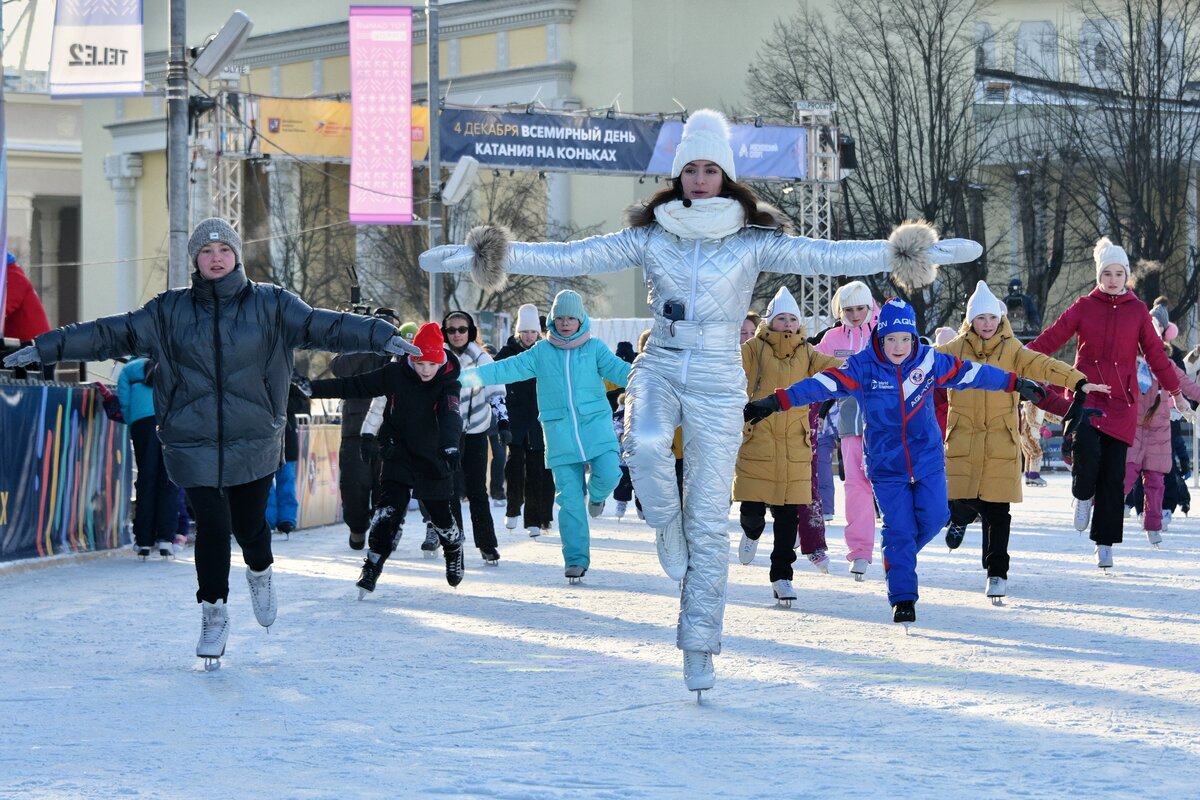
(983, 451)
(774, 464)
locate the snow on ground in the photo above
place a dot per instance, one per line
(516, 685)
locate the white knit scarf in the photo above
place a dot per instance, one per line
(708, 218)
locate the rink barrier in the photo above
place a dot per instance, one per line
(66, 473)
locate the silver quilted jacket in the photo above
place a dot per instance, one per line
(690, 374)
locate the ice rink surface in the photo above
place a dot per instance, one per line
(516, 685)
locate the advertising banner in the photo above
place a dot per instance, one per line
(97, 48)
(381, 191)
(322, 128)
(617, 145)
(66, 475)
(305, 127)
(317, 475)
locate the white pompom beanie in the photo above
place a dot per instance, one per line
(782, 303)
(705, 138)
(1107, 253)
(984, 302)
(527, 318)
(854, 293)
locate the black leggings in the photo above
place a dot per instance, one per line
(471, 480)
(1098, 473)
(389, 516)
(529, 484)
(238, 510)
(783, 553)
(997, 522)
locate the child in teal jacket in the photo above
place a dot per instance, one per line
(575, 415)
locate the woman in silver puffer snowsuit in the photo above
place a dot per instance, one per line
(702, 243)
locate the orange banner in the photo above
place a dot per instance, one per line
(322, 128)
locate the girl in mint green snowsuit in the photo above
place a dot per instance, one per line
(575, 415)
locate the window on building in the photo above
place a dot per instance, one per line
(1100, 54)
(1037, 50)
(985, 46)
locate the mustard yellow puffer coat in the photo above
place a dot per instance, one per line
(774, 464)
(983, 445)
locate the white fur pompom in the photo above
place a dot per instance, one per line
(489, 243)
(705, 119)
(1101, 249)
(908, 253)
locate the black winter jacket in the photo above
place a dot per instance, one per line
(354, 410)
(224, 353)
(522, 403)
(421, 420)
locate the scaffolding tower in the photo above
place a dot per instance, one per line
(815, 203)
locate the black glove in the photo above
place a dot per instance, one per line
(303, 384)
(1029, 390)
(504, 432)
(368, 448)
(758, 410)
(450, 455)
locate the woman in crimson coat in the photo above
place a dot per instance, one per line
(1110, 324)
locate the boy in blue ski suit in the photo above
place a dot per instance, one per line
(893, 382)
(575, 416)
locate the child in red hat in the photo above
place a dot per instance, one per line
(418, 440)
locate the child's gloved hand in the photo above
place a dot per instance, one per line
(1029, 390)
(368, 448)
(469, 379)
(758, 410)
(450, 455)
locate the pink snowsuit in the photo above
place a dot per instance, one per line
(844, 341)
(1150, 454)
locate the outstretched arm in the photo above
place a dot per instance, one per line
(133, 333)
(489, 256)
(910, 254)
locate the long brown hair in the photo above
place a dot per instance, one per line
(643, 214)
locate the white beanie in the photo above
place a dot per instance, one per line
(782, 303)
(854, 293)
(527, 318)
(705, 138)
(984, 302)
(1107, 253)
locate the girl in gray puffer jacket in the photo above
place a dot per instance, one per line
(224, 348)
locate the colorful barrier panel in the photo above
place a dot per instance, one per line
(317, 475)
(66, 472)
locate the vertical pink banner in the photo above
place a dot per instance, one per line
(381, 115)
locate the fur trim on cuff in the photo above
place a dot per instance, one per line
(489, 243)
(908, 254)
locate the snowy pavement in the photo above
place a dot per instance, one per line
(516, 685)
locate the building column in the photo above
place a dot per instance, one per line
(49, 231)
(123, 171)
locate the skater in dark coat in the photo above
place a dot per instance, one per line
(224, 350)
(530, 483)
(418, 442)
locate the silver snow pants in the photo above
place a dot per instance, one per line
(704, 391)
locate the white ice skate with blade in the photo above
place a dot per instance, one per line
(698, 674)
(996, 590)
(214, 633)
(511, 523)
(859, 568)
(1083, 514)
(747, 548)
(1104, 557)
(262, 596)
(672, 548)
(1155, 538)
(784, 593)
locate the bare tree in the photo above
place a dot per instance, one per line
(902, 75)
(1131, 126)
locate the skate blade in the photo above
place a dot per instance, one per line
(362, 593)
(783, 603)
(700, 697)
(211, 664)
(574, 581)
(906, 631)
(492, 563)
(859, 577)
(430, 553)
(997, 601)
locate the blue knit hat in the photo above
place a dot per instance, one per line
(896, 316)
(568, 304)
